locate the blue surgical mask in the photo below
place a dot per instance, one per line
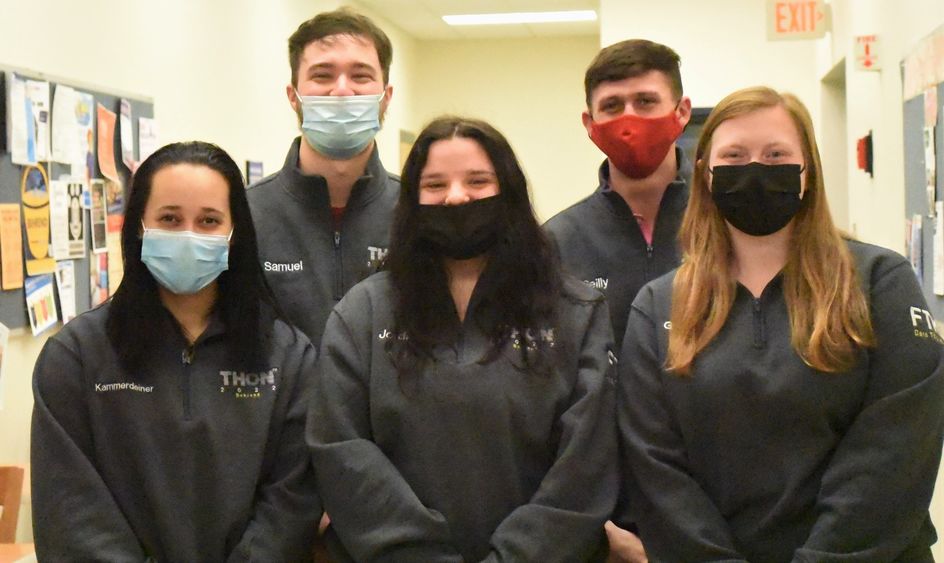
(340, 127)
(184, 262)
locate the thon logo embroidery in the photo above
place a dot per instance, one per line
(248, 384)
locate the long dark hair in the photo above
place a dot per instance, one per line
(244, 303)
(521, 283)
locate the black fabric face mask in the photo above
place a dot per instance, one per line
(461, 231)
(758, 199)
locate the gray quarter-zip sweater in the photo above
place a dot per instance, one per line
(601, 243)
(308, 263)
(466, 461)
(758, 457)
(189, 460)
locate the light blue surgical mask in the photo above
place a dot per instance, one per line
(340, 127)
(184, 262)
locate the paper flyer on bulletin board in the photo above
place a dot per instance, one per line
(65, 288)
(106, 142)
(97, 216)
(73, 131)
(40, 303)
(67, 220)
(126, 136)
(11, 247)
(34, 193)
(147, 137)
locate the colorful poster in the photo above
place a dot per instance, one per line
(97, 216)
(106, 142)
(11, 246)
(127, 137)
(65, 287)
(98, 278)
(40, 303)
(147, 137)
(34, 191)
(67, 221)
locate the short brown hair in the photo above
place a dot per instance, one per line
(343, 21)
(631, 58)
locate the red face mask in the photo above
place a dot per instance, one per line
(636, 145)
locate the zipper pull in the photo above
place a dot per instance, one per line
(337, 239)
(186, 355)
(648, 251)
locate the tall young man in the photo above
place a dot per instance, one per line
(624, 234)
(323, 219)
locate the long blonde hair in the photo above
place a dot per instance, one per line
(829, 314)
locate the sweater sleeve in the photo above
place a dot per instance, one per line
(373, 510)
(677, 520)
(875, 492)
(564, 519)
(287, 507)
(75, 516)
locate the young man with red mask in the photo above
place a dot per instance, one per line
(624, 234)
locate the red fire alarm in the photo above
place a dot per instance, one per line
(864, 153)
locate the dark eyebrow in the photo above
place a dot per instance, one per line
(177, 208)
(331, 66)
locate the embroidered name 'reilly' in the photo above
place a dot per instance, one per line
(123, 386)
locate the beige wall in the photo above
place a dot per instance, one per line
(723, 45)
(532, 91)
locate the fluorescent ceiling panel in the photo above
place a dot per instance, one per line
(521, 17)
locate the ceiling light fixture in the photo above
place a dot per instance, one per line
(521, 17)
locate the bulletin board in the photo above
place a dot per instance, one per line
(917, 200)
(923, 93)
(13, 312)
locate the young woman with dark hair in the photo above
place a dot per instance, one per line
(780, 393)
(464, 399)
(169, 422)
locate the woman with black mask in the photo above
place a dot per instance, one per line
(464, 406)
(780, 393)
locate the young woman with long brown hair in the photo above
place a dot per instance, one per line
(465, 396)
(780, 393)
